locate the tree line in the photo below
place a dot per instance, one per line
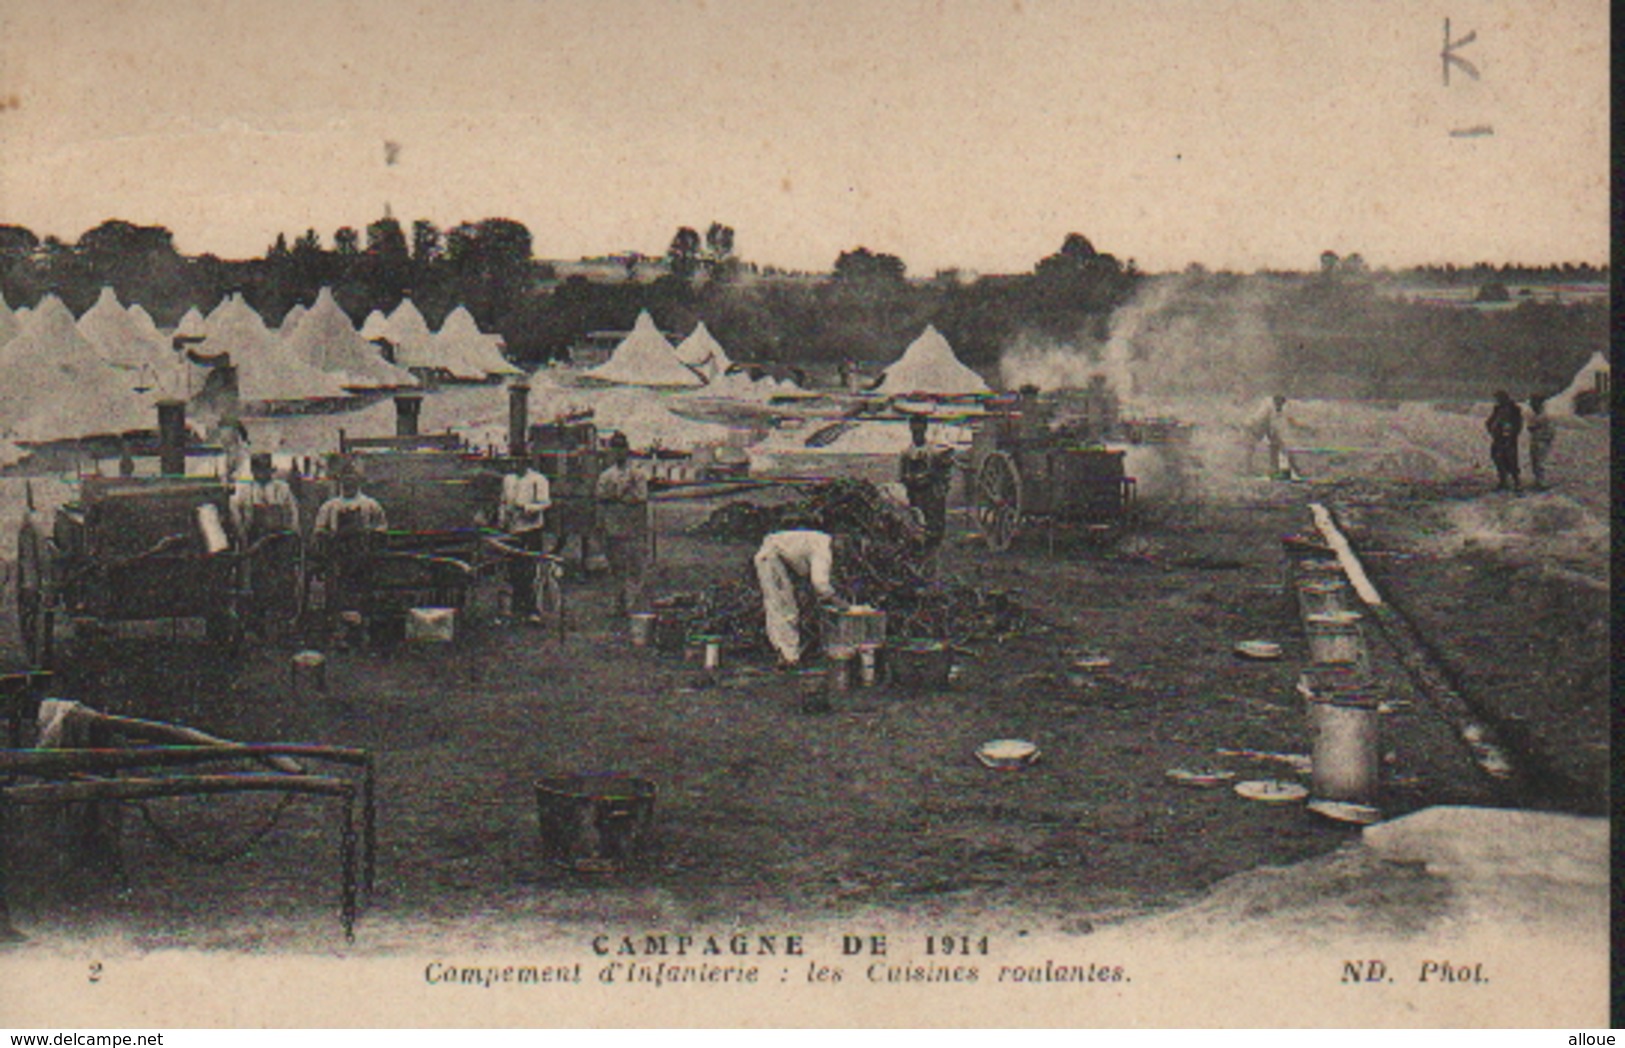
(866, 307)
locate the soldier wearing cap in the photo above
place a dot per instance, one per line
(622, 494)
(526, 496)
(926, 471)
(264, 504)
(348, 530)
(265, 517)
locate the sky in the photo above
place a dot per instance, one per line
(952, 133)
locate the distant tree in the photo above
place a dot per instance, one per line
(1076, 246)
(425, 241)
(1493, 291)
(1076, 256)
(490, 265)
(17, 242)
(386, 241)
(346, 241)
(1328, 261)
(684, 253)
(1352, 263)
(719, 241)
(861, 264)
(720, 262)
(309, 243)
(279, 249)
(119, 239)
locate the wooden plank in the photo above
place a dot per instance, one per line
(131, 789)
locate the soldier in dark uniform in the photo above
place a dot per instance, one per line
(926, 472)
(1505, 426)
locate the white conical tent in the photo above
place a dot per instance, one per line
(291, 319)
(460, 339)
(929, 366)
(146, 326)
(1585, 381)
(226, 308)
(192, 324)
(645, 358)
(56, 385)
(375, 326)
(119, 338)
(328, 341)
(418, 347)
(268, 369)
(703, 353)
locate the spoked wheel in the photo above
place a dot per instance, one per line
(998, 504)
(35, 621)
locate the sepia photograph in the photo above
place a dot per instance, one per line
(804, 513)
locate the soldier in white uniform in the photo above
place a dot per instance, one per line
(783, 557)
(526, 496)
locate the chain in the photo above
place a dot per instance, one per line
(217, 858)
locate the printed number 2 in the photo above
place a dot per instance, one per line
(95, 971)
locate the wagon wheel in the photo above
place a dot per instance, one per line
(998, 486)
(35, 621)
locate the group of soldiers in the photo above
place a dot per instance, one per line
(1506, 424)
(621, 492)
(349, 526)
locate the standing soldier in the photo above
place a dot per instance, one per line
(264, 504)
(526, 497)
(1505, 425)
(265, 516)
(622, 494)
(349, 529)
(1542, 432)
(1268, 424)
(926, 472)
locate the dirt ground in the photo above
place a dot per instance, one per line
(766, 813)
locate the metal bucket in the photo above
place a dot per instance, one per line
(840, 671)
(1336, 639)
(307, 673)
(670, 632)
(1345, 750)
(853, 628)
(594, 822)
(919, 665)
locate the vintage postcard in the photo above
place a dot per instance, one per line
(542, 513)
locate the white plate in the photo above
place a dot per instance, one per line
(1258, 649)
(1007, 753)
(1271, 791)
(1345, 811)
(1199, 779)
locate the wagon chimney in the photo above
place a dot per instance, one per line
(172, 438)
(407, 408)
(518, 416)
